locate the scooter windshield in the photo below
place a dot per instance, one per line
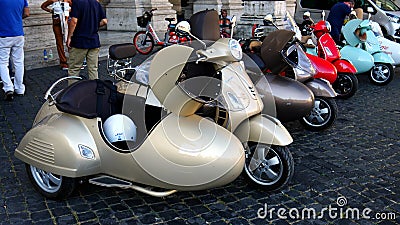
(295, 56)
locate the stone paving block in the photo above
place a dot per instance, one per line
(358, 158)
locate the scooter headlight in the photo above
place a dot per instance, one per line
(236, 49)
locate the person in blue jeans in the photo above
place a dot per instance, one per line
(12, 44)
(336, 17)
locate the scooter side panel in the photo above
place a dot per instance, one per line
(321, 88)
(383, 57)
(344, 66)
(293, 100)
(362, 60)
(53, 145)
(188, 153)
(263, 129)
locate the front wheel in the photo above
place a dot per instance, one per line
(322, 116)
(345, 85)
(144, 43)
(381, 74)
(50, 185)
(271, 167)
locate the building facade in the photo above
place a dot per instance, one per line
(122, 16)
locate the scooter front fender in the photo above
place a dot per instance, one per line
(383, 57)
(344, 66)
(321, 87)
(54, 145)
(325, 69)
(263, 129)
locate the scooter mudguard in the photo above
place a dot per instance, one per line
(263, 129)
(56, 144)
(321, 87)
(324, 68)
(344, 66)
(383, 57)
(361, 59)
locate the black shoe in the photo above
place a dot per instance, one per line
(9, 96)
(19, 95)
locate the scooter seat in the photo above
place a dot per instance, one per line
(122, 51)
(90, 99)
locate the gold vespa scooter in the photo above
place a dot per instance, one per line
(213, 73)
(149, 133)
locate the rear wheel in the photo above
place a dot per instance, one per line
(144, 43)
(50, 185)
(271, 167)
(381, 74)
(345, 85)
(322, 116)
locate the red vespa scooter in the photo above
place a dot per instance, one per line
(346, 84)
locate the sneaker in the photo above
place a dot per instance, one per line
(17, 94)
(9, 96)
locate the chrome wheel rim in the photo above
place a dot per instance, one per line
(380, 73)
(320, 114)
(48, 182)
(263, 165)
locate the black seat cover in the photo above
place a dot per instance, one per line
(87, 99)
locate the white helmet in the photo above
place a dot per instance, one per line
(307, 13)
(183, 27)
(119, 127)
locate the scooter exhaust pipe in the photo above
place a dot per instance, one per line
(107, 181)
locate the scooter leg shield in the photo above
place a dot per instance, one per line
(61, 144)
(321, 87)
(263, 129)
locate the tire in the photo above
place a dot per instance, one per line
(274, 170)
(381, 74)
(50, 185)
(322, 116)
(345, 85)
(144, 43)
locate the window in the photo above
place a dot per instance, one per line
(318, 4)
(386, 5)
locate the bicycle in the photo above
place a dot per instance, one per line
(144, 41)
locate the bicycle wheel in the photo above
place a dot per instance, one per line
(144, 43)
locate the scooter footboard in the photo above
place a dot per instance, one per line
(321, 87)
(263, 129)
(61, 144)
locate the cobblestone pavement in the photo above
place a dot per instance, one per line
(355, 162)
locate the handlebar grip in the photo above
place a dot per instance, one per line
(153, 9)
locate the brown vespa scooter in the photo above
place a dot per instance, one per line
(172, 147)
